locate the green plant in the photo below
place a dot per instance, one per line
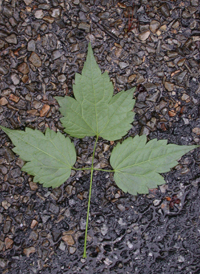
(96, 112)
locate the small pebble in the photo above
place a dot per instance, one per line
(44, 111)
(39, 14)
(12, 39)
(15, 79)
(3, 101)
(144, 35)
(35, 60)
(29, 251)
(196, 130)
(68, 239)
(14, 98)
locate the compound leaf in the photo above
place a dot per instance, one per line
(49, 157)
(137, 164)
(95, 111)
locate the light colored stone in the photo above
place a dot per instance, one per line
(68, 239)
(39, 14)
(29, 250)
(144, 35)
(61, 78)
(72, 249)
(33, 186)
(55, 13)
(185, 97)
(35, 60)
(84, 26)
(154, 26)
(3, 101)
(62, 246)
(48, 19)
(8, 243)
(31, 45)
(28, 2)
(196, 130)
(6, 204)
(33, 224)
(169, 86)
(12, 39)
(14, 98)
(15, 79)
(123, 65)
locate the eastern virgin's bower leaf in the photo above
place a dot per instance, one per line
(137, 164)
(49, 157)
(95, 111)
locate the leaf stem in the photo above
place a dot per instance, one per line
(84, 168)
(89, 168)
(105, 170)
(90, 192)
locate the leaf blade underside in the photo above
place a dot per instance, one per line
(137, 164)
(49, 157)
(95, 111)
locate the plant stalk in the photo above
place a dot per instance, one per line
(90, 192)
(89, 168)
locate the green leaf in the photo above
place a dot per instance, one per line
(95, 111)
(137, 164)
(49, 157)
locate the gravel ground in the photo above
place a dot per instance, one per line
(153, 45)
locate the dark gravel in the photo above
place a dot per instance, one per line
(153, 45)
